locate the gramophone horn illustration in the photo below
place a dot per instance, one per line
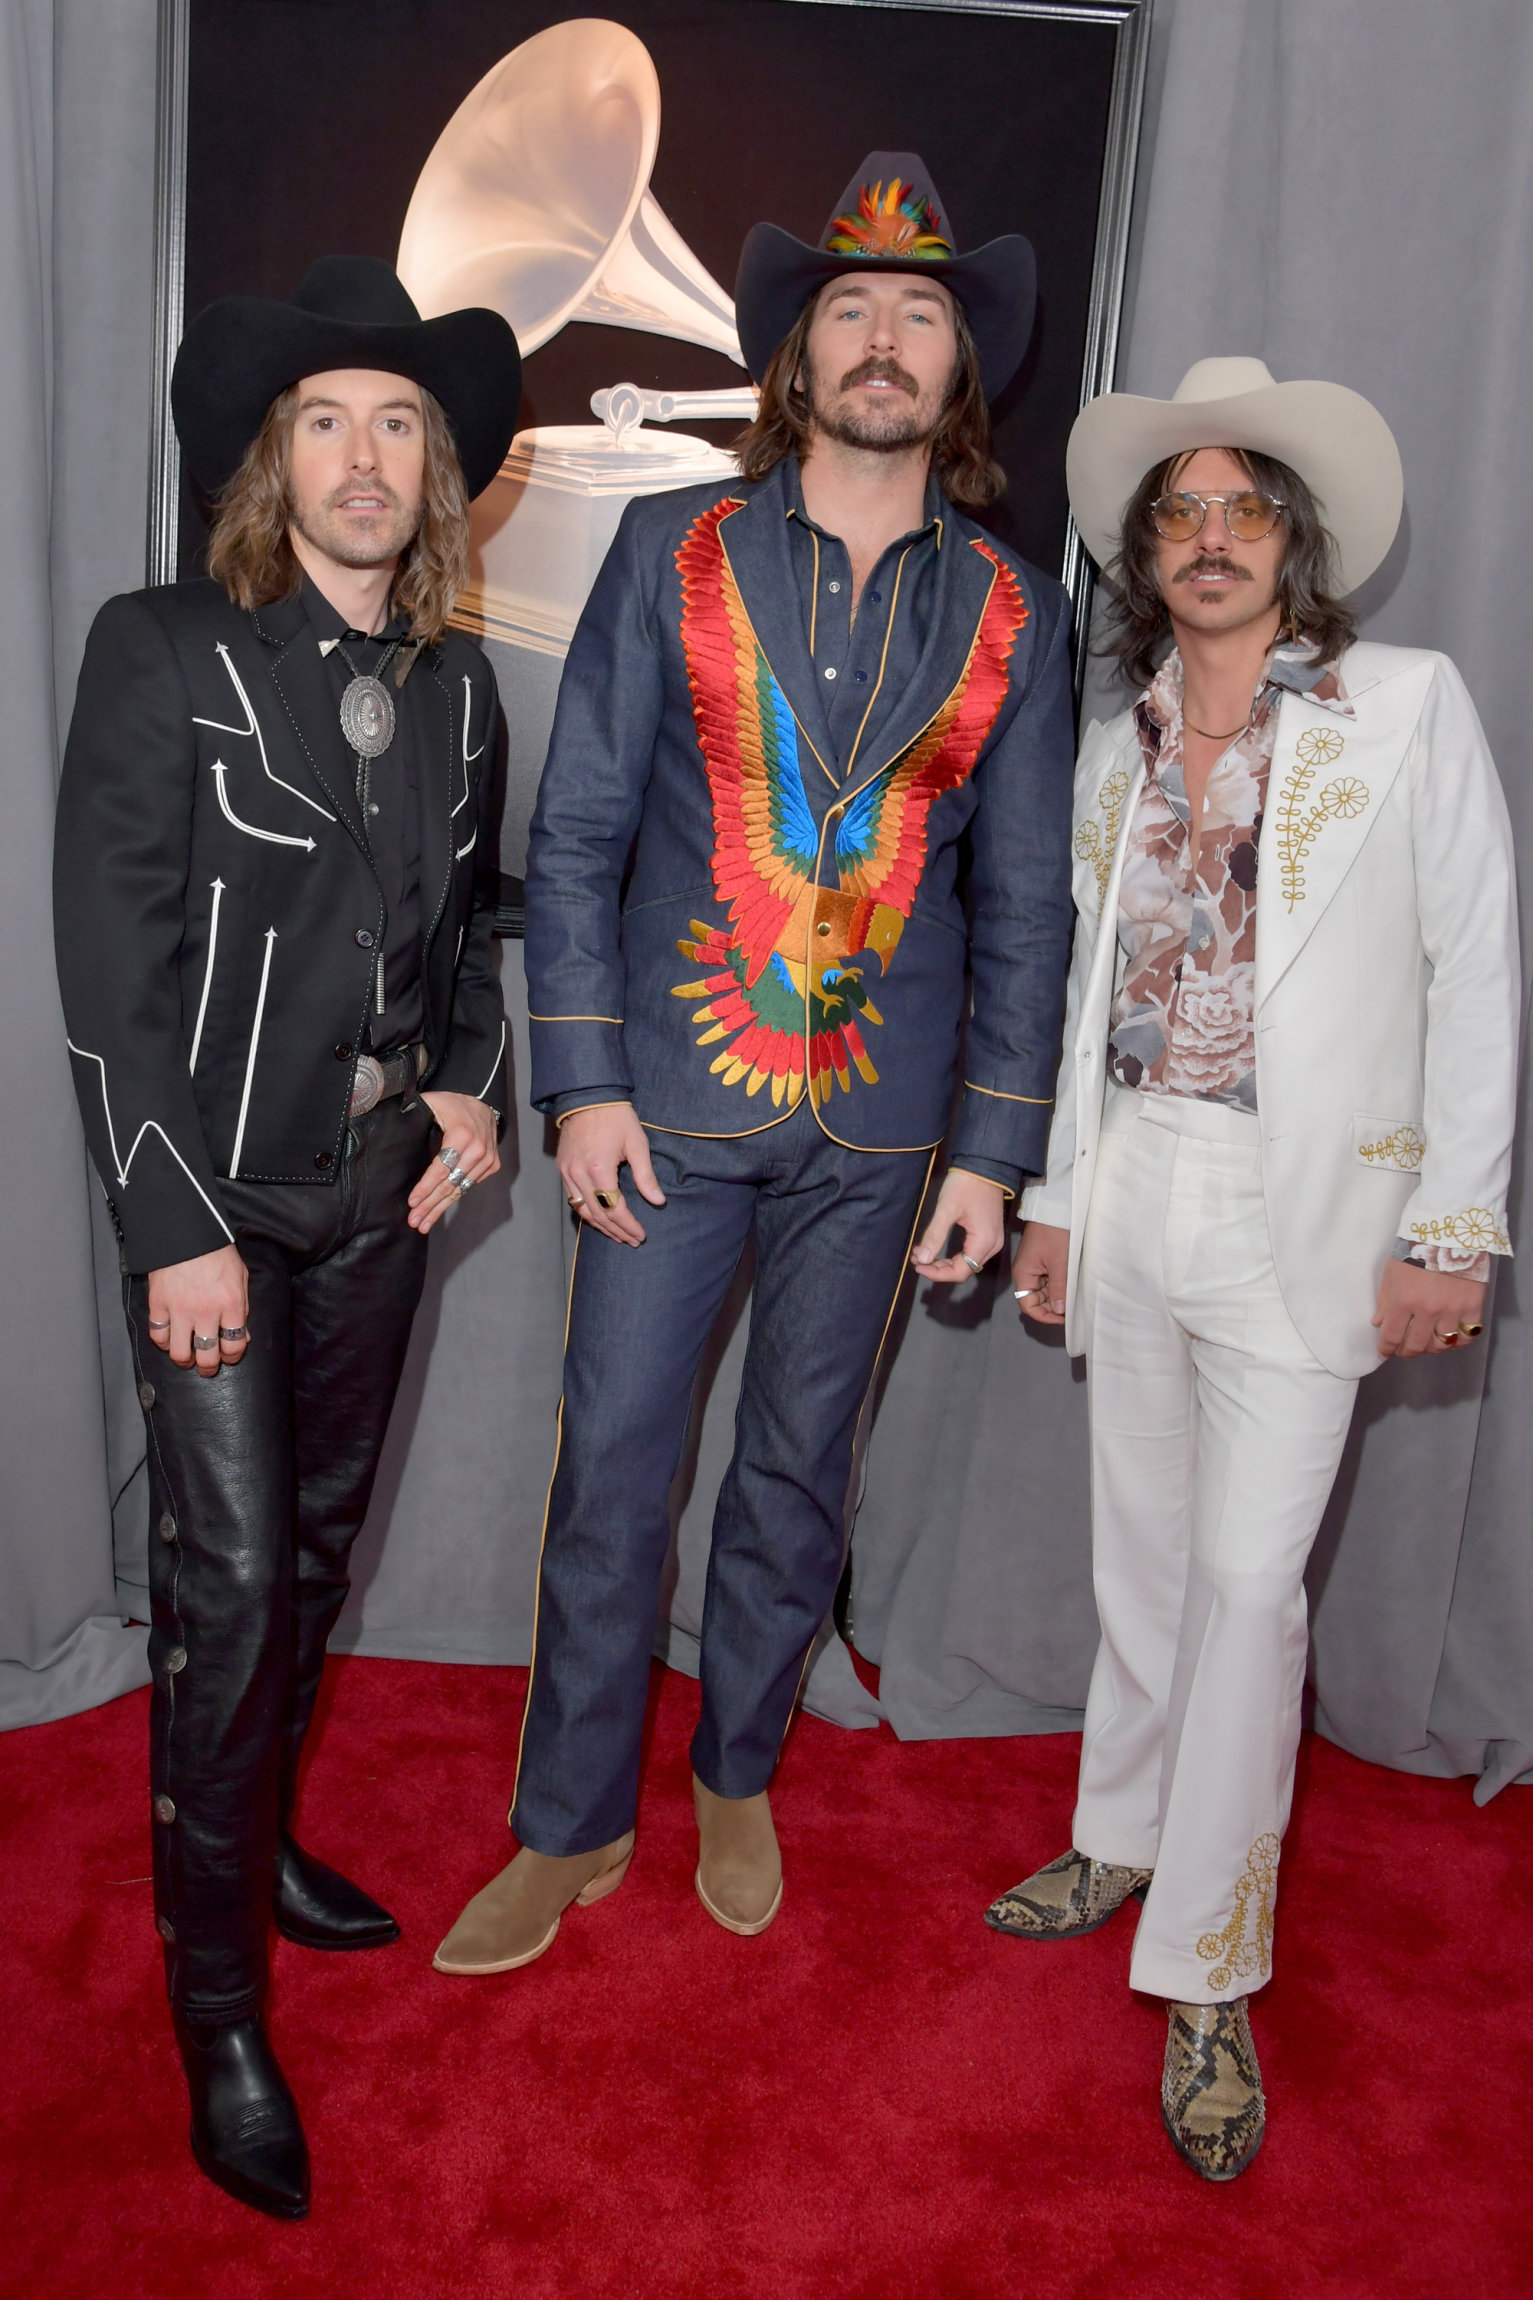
(536, 201)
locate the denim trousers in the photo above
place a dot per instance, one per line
(832, 1229)
(259, 1479)
(1215, 1440)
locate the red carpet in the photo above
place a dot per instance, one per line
(880, 2099)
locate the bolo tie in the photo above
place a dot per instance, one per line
(368, 721)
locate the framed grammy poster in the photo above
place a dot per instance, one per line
(593, 178)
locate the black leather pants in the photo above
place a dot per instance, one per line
(259, 1480)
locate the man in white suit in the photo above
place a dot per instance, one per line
(1281, 1143)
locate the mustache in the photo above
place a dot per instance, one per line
(337, 496)
(1207, 564)
(881, 371)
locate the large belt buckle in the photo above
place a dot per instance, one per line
(367, 1086)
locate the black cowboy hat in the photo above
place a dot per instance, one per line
(349, 311)
(889, 218)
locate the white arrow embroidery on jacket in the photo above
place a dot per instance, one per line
(252, 727)
(250, 1059)
(253, 830)
(468, 705)
(121, 1166)
(207, 978)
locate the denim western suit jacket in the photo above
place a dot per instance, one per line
(719, 923)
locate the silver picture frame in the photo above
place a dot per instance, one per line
(1127, 20)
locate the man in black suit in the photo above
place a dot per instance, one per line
(275, 890)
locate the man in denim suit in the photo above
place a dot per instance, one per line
(793, 705)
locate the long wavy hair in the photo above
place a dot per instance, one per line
(961, 463)
(1138, 624)
(251, 555)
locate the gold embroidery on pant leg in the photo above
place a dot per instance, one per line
(1245, 1945)
(1095, 841)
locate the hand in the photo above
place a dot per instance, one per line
(199, 1298)
(593, 1144)
(969, 1203)
(1417, 1308)
(1039, 1269)
(468, 1127)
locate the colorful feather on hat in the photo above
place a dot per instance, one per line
(895, 221)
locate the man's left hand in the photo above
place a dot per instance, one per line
(977, 1208)
(469, 1154)
(1424, 1311)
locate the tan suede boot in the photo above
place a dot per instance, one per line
(517, 1915)
(739, 1867)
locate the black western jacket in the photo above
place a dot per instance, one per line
(217, 916)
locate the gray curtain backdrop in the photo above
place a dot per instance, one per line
(76, 218)
(1338, 186)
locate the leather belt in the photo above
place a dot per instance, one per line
(380, 1075)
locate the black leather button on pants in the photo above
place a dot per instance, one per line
(259, 1479)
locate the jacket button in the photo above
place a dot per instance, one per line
(166, 1930)
(823, 927)
(324, 1158)
(364, 938)
(175, 1661)
(146, 1395)
(164, 1809)
(167, 1525)
(343, 1054)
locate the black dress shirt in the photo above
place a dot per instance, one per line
(854, 656)
(392, 813)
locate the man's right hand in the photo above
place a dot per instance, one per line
(1042, 1260)
(593, 1144)
(194, 1301)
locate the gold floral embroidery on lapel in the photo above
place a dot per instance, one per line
(1096, 839)
(1244, 1946)
(1476, 1232)
(1301, 819)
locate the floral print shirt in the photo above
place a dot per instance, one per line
(1184, 1020)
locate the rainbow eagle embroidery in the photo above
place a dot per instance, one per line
(783, 997)
(891, 220)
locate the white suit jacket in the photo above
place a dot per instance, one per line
(1387, 990)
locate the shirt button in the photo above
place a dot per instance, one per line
(343, 1054)
(164, 1809)
(146, 1395)
(862, 678)
(362, 938)
(372, 806)
(324, 1158)
(175, 1661)
(832, 586)
(167, 1526)
(830, 671)
(877, 598)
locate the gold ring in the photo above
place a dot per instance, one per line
(577, 1200)
(608, 1200)
(1471, 1330)
(1449, 1341)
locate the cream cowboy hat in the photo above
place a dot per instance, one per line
(1339, 444)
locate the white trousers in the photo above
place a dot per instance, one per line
(1215, 1438)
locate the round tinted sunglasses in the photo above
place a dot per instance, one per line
(1248, 516)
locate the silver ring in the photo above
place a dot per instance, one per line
(465, 1183)
(234, 1333)
(159, 1325)
(976, 1267)
(204, 1341)
(450, 1160)
(1025, 1293)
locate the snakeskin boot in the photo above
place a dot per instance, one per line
(1211, 2092)
(1069, 1897)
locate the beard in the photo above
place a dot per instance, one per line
(886, 427)
(354, 539)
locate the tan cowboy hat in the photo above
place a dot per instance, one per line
(1339, 444)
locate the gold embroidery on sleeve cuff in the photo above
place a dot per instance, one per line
(1035, 1101)
(1474, 1232)
(613, 1018)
